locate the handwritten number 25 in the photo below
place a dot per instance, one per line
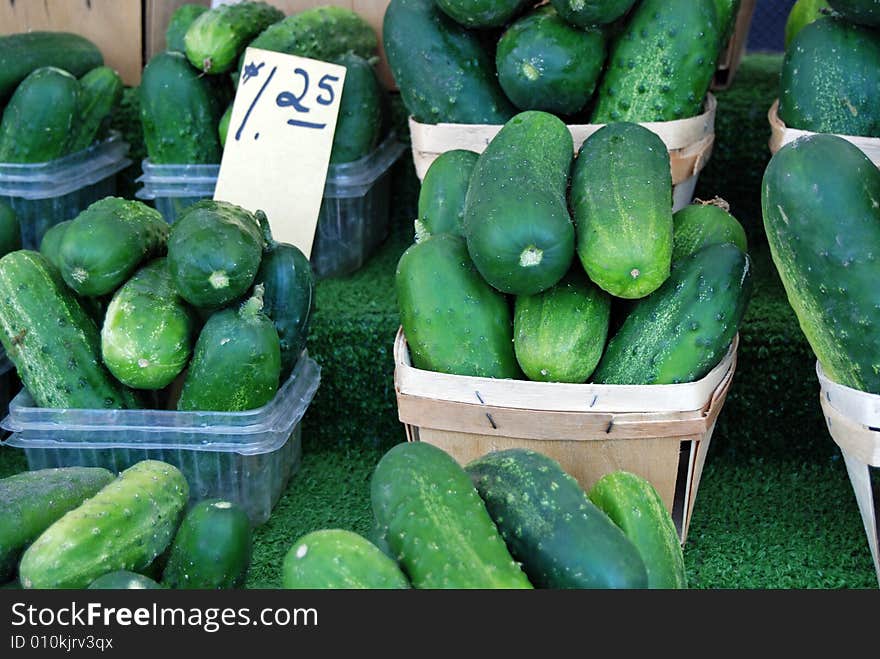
(325, 97)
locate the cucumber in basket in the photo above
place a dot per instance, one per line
(702, 224)
(100, 91)
(442, 195)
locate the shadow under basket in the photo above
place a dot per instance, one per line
(660, 432)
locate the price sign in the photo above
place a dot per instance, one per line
(280, 136)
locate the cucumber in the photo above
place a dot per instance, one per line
(181, 19)
(587, 13)
(443, 192)
(39, 118)
(634, 505)
(123, 580)
(436, 523)
(546, 64)
(683, 330)
(453, 320)
(214, 253)
(223, 125)
(802, 14)
(819, 198)
(477, 14)
(52, 341)
(50, 244)
(559, 335)
(702, 224)
(236, 364)
(123, 527)
(516, 222)
(655, 76)
(359, 125)
(91, 262)
(10, 230)
(864, 12)
(100, 92)
(148, 330)
(217, 37)
(726, 11)
(453, 79)
(31, 501)
(621, 199)
(212, 548)
(334, 558)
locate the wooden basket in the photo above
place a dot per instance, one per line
(660, 432)
(730, 59)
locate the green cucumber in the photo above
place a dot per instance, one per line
(10, 230)
(31, 501)
(436, 523)
(339, 559)
(550, 526)
(621, 199)
(683, 330)
(864, 12)
(516, 222)
(587, 13)
(94, 264)
(359, 125)
(123, 580)
(702, 224)
(443, 192)
(181, 19)
(50, 244)
(453, 320)
(476, 14)
(726, 12)
(223, 125)
(100, 92)
(212, 548)
(634, 505)
(802, 14)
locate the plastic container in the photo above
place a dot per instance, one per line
(246, 457)
(354, 217)
(44, 194)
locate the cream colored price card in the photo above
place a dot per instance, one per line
(280, 136)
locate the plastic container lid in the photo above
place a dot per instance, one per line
(354, 179)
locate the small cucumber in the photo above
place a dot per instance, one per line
(100, 92)
(223, 126)
(443, 192)
(181, 19)
(702, 224)
(50, 245)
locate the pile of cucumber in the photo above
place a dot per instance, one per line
(461, 61)
(84, 527)
(120, 311)
(511, 519)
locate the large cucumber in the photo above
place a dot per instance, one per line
(436, 523)
(100, 91)
(359, 125)
(702, 224)
(10, 230)
(123, 580)
(178, 24)
(443, 193)
(587, 13)
(864, 12)
(516, 220)
(482, 13)
(123, 527)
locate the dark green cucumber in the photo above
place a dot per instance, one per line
(476, 14)
(236, 364)
(864, 12)
(453, 79)
(634, 505)
(223, 126)
(212, 548)
(10, 230)
(178, 110)
(436, 523)
(546, 64)
(683, 330)
(50, 244)
(443, 192)
(31, 501)
(214, 253)
(52, 341)
(831, 79)
(181, 19)
(25, 52)
(339, 559)
(802, 14)
(217, 37)
(39, 118)
(359, 126)
(123, 580)
(123, 527)
(106, 243)
(621, 199)
(820, 200)
(148, 330)
(726, 11)
(100, 92)
(660, 68)
(453, 320)
(516, 220)
(702, 224)
(559, 335)
(587, 13)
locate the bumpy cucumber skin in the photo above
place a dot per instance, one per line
(212, 548)
(181, 19)
(123, 527)
(52, 341)
(10, 230)
(864, 12)
(50, 244)
(831, 79)
(550, 526)
(436, 523)
(451, 79)
(91, 264)
(148, 330)
(100, 91)
(31, 501)
(39, 118)
(476, 14)
(516, 222)
(819, 199)
(215, 39)
(123, 580)
(559, 335)
(443, 192)
(700, 225)
(453, 320)
(621, 199)
(633, 504)
(339, 559)
(359, 125)
(661, 66)
(587, 13)
(802, 14)
(683, 330)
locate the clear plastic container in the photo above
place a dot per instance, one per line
(44, 194)
(354, 217)
(246, 457)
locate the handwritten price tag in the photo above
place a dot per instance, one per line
(280, 136)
